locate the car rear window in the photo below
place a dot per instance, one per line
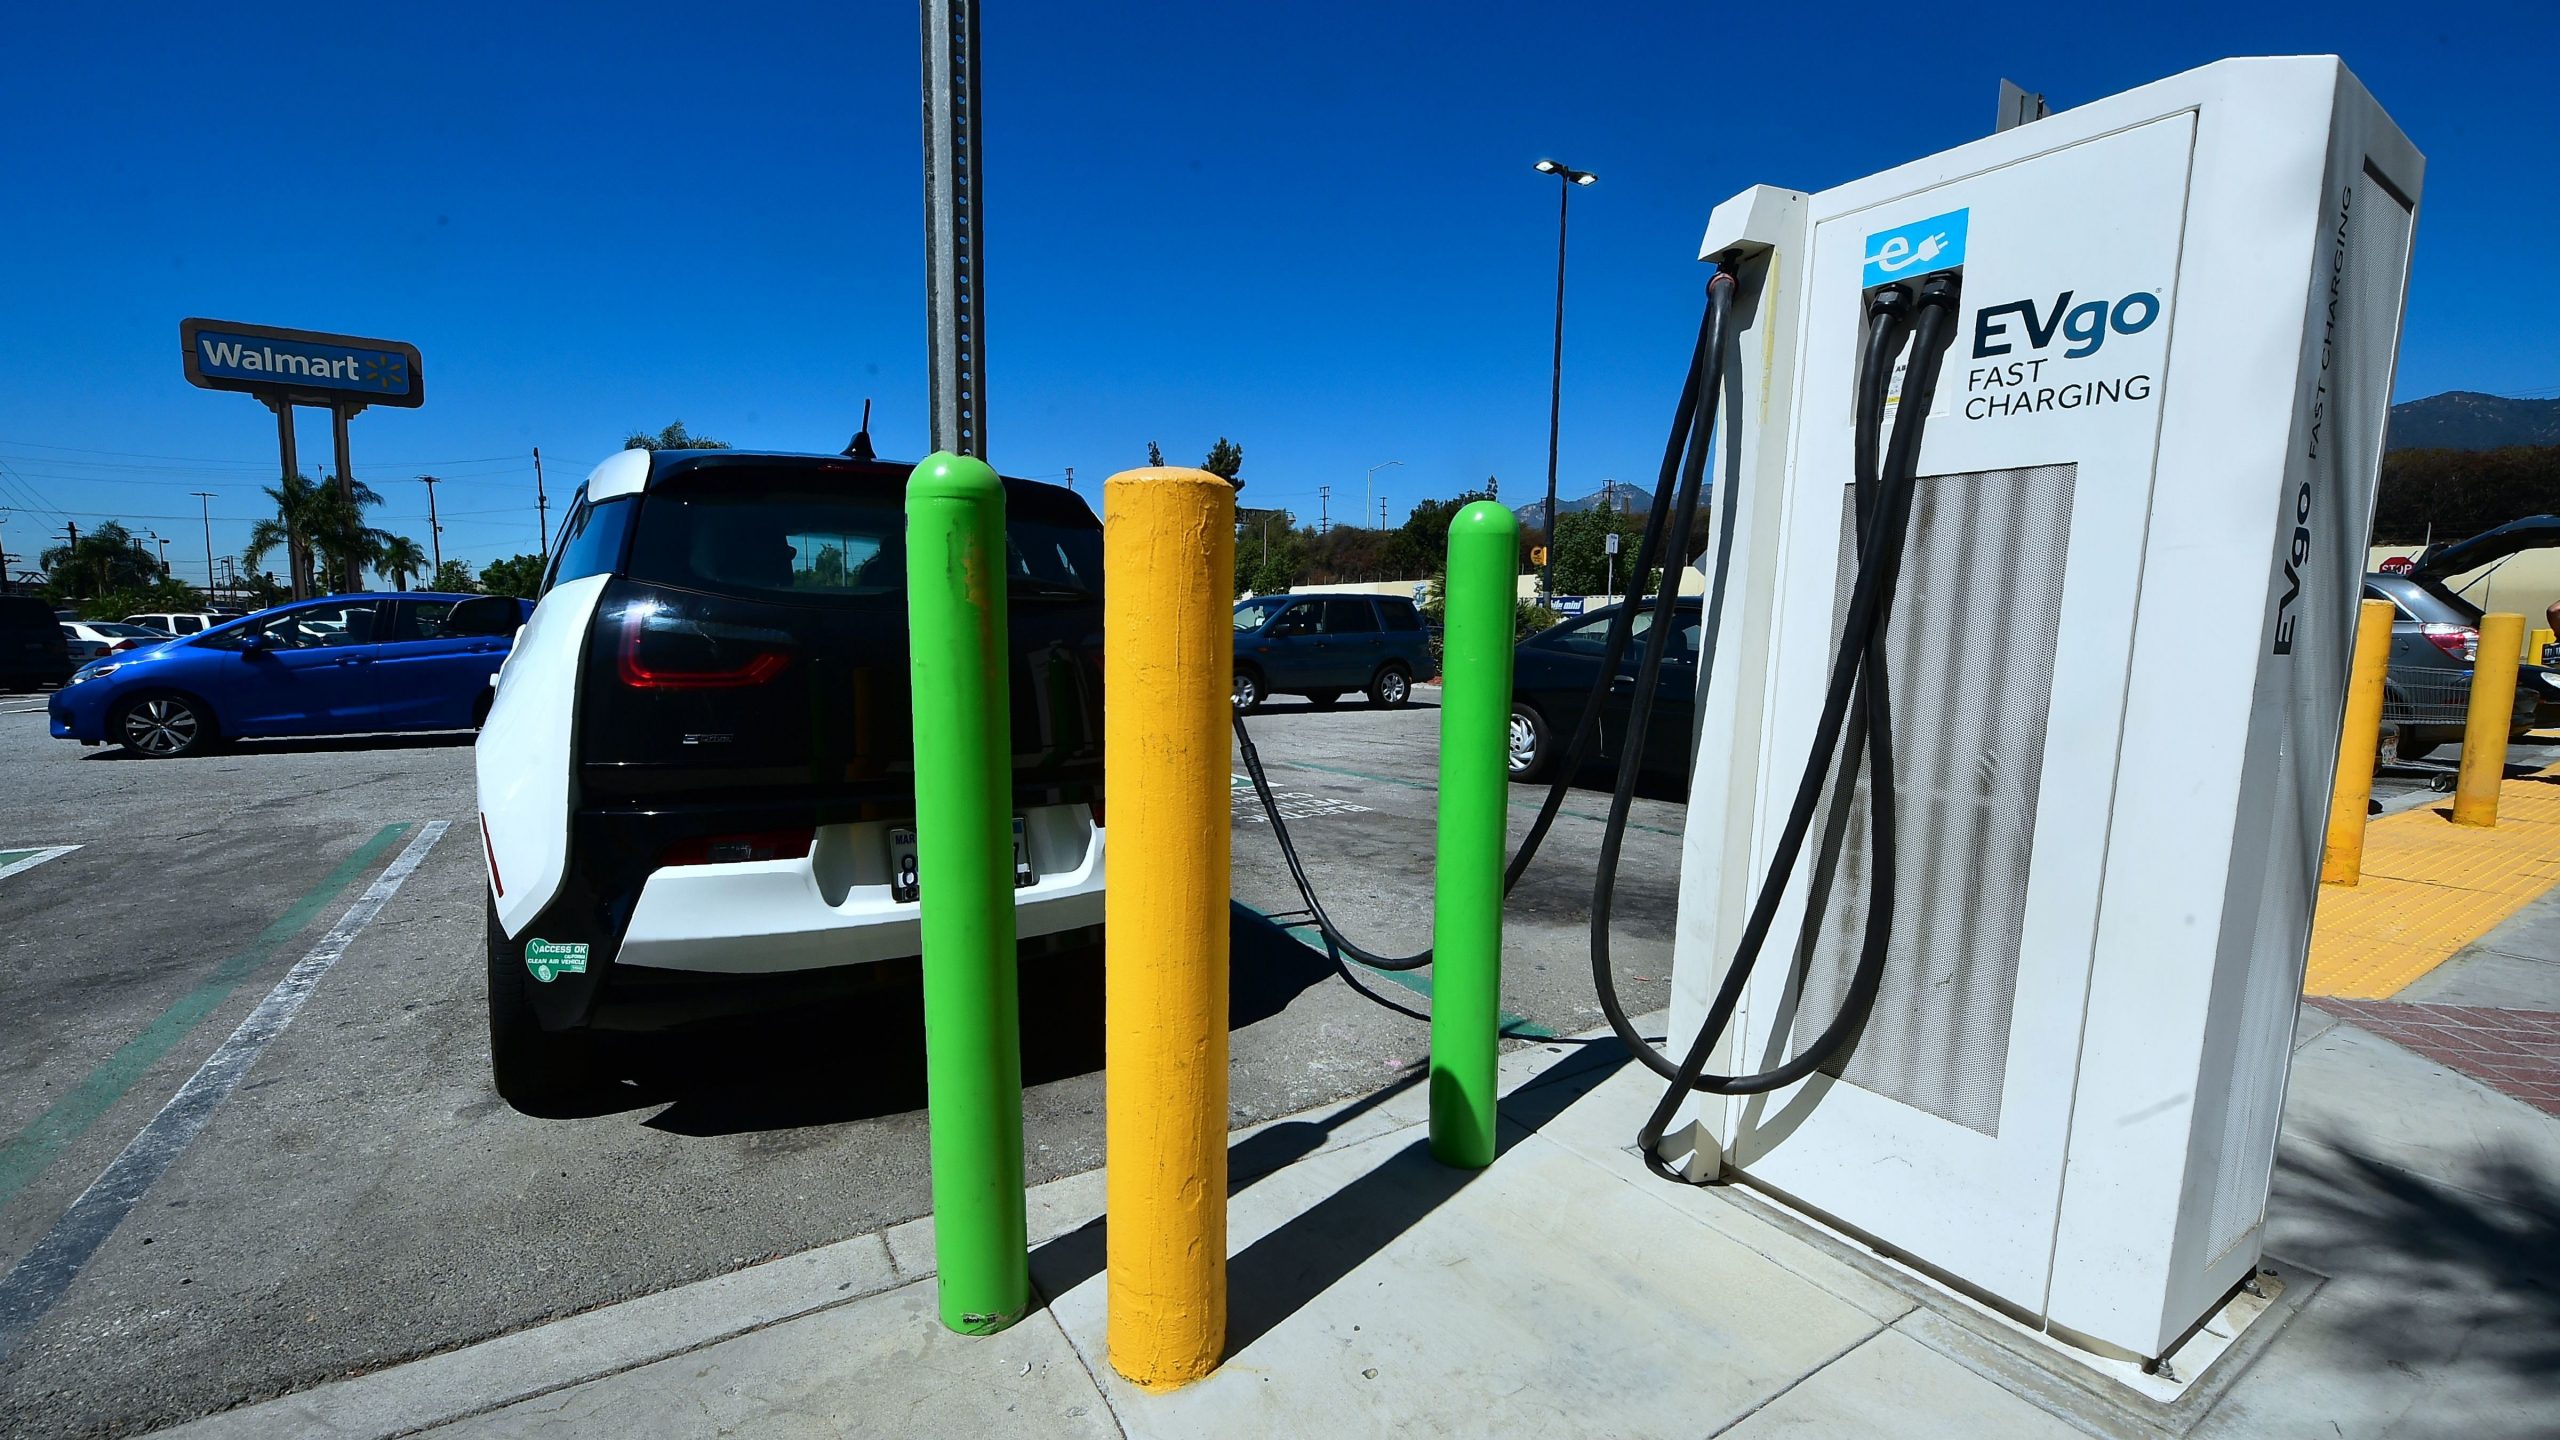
(780, 535)
(1400, 614)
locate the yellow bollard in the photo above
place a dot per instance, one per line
(1168, 548)
(2342, 862)
(2484, 726)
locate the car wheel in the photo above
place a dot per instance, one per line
(1532, 744)
(1392, 687)
(1324, 699)
(547, 1074)
(2407, 750)
(1247, 695)
(162, 727)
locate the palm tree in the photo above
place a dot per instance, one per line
(400, 558)
(314, 523)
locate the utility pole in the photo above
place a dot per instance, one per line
(541, 502)
(1071, 479)
(163, 542)
(435, 532)
(953, 237)
(204, 507)
(1382, 512)
(4, 552)
(1324, 506)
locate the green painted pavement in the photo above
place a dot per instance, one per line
(1515, 1026)
(28, 1152)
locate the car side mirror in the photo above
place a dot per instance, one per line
(487, 615)
(257, 640)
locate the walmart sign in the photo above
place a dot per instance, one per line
(307, 366)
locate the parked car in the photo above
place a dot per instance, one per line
(33, 649)
(697, 785)
(82, 648)
(2426, 692)
(1320, 646)
(1551, 676)
(181, 622)
(340, 665)
(115, 637)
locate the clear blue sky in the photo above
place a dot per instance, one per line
(1312, 228)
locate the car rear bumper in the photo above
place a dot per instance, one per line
(833, 907)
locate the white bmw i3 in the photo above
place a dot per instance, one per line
(696, 781)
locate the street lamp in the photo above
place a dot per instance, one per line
(1567, 178)
(1365, 481)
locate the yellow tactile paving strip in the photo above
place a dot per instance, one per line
(2431, 887)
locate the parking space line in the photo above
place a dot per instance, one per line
(28, 1152)
(36, 1282)
(17, 861)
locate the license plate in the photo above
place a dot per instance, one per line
(906, 884)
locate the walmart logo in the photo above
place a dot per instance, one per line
(1922, 247)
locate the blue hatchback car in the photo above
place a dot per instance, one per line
(333, 666)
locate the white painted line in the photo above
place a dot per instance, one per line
(28, 862)
(30, 1289)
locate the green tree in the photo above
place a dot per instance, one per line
(517, 575)
(401, 560)
(2455, 494)
(1225, 459)
(454, 578)
(108, 560)
(1268, 545)
(674, 437)
(321, 530)
(1581, 549)
(1155, 457)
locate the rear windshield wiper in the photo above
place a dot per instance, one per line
(1051, 589)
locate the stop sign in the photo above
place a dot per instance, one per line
(2397, 565)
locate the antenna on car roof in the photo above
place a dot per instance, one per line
(859, 447)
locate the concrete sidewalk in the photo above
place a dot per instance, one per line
(2415, 1229)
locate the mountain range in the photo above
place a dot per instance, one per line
(1619, 494)
(2469, 420)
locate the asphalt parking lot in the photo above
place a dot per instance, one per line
(362, 1196)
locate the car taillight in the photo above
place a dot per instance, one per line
(122, 646)
(666, 652)
(2459, 641)
(1097, 812)
(738, 849)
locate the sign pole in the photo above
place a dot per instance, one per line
(338, 415)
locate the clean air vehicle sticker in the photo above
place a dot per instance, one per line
(546, 958)
(1922, 247)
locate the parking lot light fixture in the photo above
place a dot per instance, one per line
(1570, 179)
(1365, 496)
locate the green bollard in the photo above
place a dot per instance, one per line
(1475, 783)
(964, 864)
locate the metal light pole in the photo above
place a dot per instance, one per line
(1568, 177)
(1365, 496)
(955, 307)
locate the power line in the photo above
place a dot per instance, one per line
(208, 460)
